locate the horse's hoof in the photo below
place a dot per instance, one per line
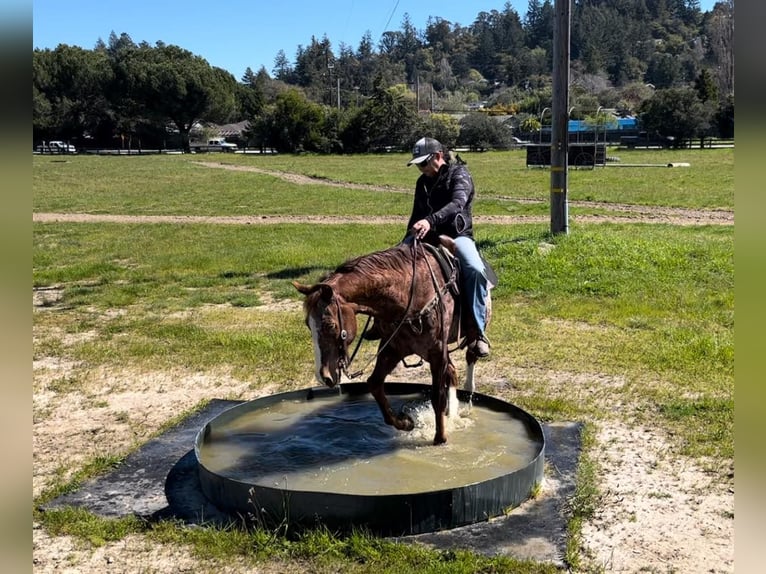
(439, 440)
(406, 423)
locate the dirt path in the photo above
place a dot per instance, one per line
(643, 215)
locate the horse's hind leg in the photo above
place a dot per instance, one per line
(470, 367)
(443, 383)
(470, 355)
(383, 367)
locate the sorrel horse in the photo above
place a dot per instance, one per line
(415, 312)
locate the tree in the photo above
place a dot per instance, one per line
(530, 125)
(675, 113)
(719, 32)
(293, 124)
(442, 127)
(724, 117)
(282, 69)
(43, 120)
(601, 121)
(251, 94)
(386, 120)
(408, 47)
(480, 131)
(539, 25)
(131, 116)
(707, 90)
(313, 67)
(69, 86)
(177, 86)
(664, 71)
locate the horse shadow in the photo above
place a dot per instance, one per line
(342, 429)
(258, 467)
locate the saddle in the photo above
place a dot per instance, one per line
(449, 265)
(450, 268)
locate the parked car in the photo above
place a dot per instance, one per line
(213, 144)
(56, 147)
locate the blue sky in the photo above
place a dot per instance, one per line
(235, 34)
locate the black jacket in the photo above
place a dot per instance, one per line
(445, 202)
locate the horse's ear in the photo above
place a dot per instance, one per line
(326, 291)
(305, 289)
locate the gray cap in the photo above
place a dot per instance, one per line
(423, 148)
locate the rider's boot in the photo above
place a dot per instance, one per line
(477, 342)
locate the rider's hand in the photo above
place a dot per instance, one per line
(420, 228)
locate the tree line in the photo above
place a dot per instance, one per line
(664, 61)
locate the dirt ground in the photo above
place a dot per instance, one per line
(657, 512)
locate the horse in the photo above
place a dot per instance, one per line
(416, 310)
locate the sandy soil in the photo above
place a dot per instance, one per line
(657, 512)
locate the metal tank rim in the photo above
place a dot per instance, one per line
(384, 514)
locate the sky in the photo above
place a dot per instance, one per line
(237, 34)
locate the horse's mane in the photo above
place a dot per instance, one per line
(393, 259)
(396, 260)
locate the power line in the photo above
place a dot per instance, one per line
(391, 15)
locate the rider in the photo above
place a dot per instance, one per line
(444, 195)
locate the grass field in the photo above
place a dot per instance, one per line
(178, 185)
(648, 305)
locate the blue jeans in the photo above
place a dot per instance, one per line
(474, 279)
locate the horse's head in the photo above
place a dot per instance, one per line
(332, 322)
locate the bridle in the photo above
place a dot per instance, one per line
(343, 361)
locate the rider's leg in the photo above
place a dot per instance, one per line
(474, 283)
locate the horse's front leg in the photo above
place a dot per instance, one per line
(443, 381)
(386, 363)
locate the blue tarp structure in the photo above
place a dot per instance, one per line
(622, 124)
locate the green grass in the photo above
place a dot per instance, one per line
(707, 183)
(176, 185)
(651, 306)
(358, 552)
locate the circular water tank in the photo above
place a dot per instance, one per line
(325, 456)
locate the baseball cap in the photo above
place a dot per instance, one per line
(423, 148)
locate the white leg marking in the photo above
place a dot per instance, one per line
(317, 354)
(469, 385)
(452, 403)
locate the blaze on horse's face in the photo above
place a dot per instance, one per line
(332, 322)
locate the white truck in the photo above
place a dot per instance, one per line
(56, 147)
(213, 144)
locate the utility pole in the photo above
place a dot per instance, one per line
(417, 93)
(560, 125)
